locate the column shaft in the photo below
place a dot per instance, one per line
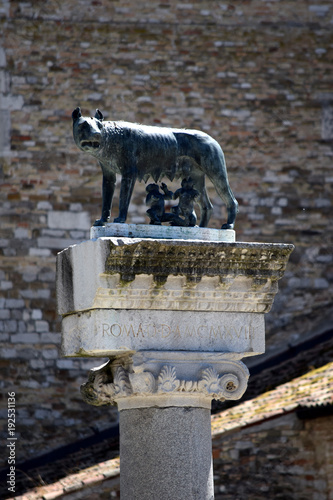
(166, 454)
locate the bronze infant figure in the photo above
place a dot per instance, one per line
(155, 200)
(187, 196)
(139, 151)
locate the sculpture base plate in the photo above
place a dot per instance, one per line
(163, 232)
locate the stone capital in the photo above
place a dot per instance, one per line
(166, 378)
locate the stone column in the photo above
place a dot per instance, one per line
(164, 399)
(175, 318)
(166, 453)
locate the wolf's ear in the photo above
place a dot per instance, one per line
(76, 114)
(99, 115)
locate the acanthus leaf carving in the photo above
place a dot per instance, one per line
(209, 382)
(102, 388)
(188, 386)
(104, 391)
(110, 383)
(122, 385)
(98, 391)
(167, 380)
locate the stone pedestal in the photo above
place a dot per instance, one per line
(175, 317)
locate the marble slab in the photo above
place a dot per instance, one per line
(163, 232)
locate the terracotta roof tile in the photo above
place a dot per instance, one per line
(313, 389)
(74, 482)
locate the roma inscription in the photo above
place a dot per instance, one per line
(116, 331)
(164, 331)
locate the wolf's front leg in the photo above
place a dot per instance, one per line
(109, 183)
(126, 190)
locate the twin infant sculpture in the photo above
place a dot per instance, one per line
(183, 214)
(137, 152)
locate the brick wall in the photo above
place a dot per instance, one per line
(284, 458)
(255, 75)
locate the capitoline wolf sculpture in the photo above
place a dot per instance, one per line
(139, 151)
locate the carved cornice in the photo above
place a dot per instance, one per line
(156, 382)
(162, 258)
(179, 275)
(233, 294)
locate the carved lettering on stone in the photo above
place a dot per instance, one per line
(163, 331)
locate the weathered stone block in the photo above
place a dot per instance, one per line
(105, 332)
(118, 295)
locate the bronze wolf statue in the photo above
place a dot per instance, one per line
(139, 151)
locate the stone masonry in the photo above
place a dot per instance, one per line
(257, 76)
